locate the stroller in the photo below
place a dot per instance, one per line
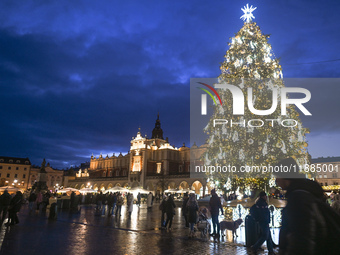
(203, 224)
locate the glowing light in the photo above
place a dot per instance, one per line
(272, 182)
(227, 185)
(248, 16)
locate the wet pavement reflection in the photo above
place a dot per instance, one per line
(87, 233)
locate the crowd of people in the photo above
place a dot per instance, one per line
(309, 224)
(10, 206)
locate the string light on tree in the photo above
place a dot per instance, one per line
(272, 182)
(227, 185)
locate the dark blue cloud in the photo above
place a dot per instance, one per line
(80, 77)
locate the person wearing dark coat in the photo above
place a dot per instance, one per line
(304, 227)
(139, 196)
(114, 199)
(215, 207)
(14, 208)
(162, 207)
(192, 208)
(263, 218)
(184, 209)
(31, 200)
(109, 204)
(170, 211)
(5, 200)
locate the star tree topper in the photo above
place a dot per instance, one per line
(248, 16)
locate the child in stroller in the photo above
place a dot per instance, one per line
(203, 224)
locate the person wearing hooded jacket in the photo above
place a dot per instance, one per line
(215, 207)
(170, 211)
(192, 209)
(304, 228)
(262, 216)
(5, 200)
(14, 208)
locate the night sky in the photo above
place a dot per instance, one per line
(80, 77)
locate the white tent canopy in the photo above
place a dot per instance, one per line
(116, 189)
(170, 191)
(67, 190)
(182, 191)
(9, 189)
(140, 190)
(87, 190)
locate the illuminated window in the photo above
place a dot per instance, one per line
(136, 164)
(159, 168)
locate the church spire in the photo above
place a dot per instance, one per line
(157, 132)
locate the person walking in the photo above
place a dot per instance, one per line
(104, 204)
(99, 201)
(139, 196)
(130, 203)
(170, 211)
(162, 207)
(184, 209)
(14, 208)
(39, 200)
(120, 202)
(109, 204)
(309, 225)
(192, 209)
(31, 200)
(215, 207)
(261, 214)
(114, 199)
(5, 200)
(336, 202)
(149, 201)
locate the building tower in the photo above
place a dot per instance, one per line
(157, 132)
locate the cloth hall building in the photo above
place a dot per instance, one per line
(152, 164)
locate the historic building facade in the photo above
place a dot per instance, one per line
(327, 172)
(152, 163)
(54, 178)
(14, 171)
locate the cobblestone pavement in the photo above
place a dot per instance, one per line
(84, 233)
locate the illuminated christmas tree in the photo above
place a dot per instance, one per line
(250, 63)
